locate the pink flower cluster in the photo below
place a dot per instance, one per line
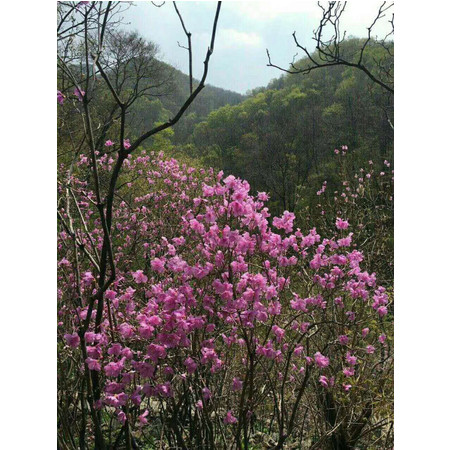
(204, 281)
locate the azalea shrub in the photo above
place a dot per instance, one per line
(223, 327)
(363, 194)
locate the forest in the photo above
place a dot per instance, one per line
(225, 261)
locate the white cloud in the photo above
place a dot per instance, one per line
(229, 37)
(267, 10)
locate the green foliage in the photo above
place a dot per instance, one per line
(281, 138)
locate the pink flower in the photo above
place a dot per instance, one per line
(237, 384)
(343, 339)
(113, 369)
(143, 417)
(87, 278)
(139, 277)
(73, 340)
(229, 418)
(79, 94)
(90, 337)
(126, 144)
(156, 352)
(93, 364)
(262, 196)
(110, 295)
(199, 405)
(206, 393)
(304, 326)
(321, 361)
(352, 360)
(370, 349)
(382, 311)
(365, 332)
(346, 387)
(323, 380)
(190, 365)
(121, 417)
(115, 349)
(109, 143)
(157, 265)
(341, 224)
(382, 338)
(278, 332)
(348, 371)
(126, 330)
(60, 97)
(285, 222)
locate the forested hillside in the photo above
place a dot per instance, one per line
(210, 99)
(281, 139)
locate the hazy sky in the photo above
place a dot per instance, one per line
(245, 30)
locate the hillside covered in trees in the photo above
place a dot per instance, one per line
(281, 138)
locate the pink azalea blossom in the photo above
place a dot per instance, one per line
(321, 361)
(199, 405)
(190, 364)
(351, 359)
(121, 417)
(109, 143)
(93, 364)
(87, 278)
(278, 332)
(237, 384)
(60, 97)
(323, 380)
(229, 419)
(143, 418)
(73, 340)
(139, 277)
(206, 393)
(79, 94)
(341, 224)
(157, 265)
(348, 371)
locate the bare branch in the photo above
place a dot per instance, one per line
(329, 52)
(189, 47)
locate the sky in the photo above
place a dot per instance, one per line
(245, 30)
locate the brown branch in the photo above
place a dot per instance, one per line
(189, 47)
(191, 98)
(329, 52)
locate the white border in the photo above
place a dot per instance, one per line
(28, 225)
